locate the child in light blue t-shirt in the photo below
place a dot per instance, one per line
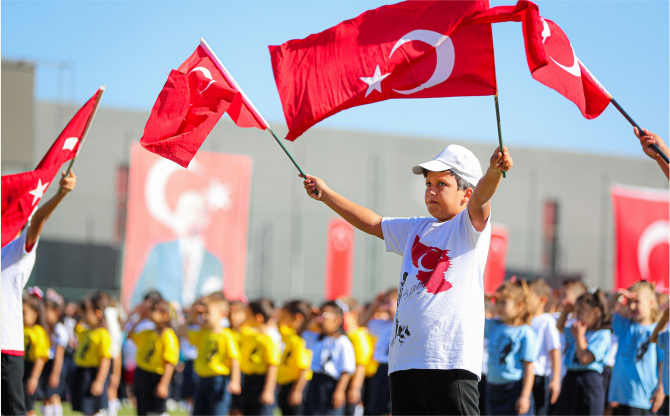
(634, 385)
(661, 337)
(512, 348)
(587, 343)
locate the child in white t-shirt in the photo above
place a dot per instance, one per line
(547, 367)
(435, 352)
(18, 259)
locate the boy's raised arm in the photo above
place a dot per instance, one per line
(360, 217)
(479, 206)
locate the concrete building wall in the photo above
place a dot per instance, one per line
(17, 116)
(287, 230)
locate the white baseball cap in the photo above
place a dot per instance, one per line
(456, 158)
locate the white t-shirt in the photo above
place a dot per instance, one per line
(58, 338)
(17, 264)
(550, 339)
(382, 330)
(114, 328)
(439, 323)
(331, 356)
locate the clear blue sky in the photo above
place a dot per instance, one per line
(130, 46)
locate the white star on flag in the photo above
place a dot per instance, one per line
(375, 81)
(38, 192)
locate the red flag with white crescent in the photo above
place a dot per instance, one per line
(642, 236)
(339, 259)
(413, 49)
(21, 192)
(192, 101)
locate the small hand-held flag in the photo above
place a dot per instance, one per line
(21, 192)
(192, 101)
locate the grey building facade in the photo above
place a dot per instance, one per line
(82, 245)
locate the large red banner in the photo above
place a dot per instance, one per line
(186, 230)
(642, 236)
(494, 273)
(339, 259)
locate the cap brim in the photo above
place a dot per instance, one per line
(433, 166)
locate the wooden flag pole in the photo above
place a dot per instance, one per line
(232, 81)
(83, 135)
(500, 141)
(634, 124)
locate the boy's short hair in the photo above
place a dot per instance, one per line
(574, 285)
(392, 291)
(540, 287)
(217, 295)
(263, 306)
(462, 183)
(333, 304)
(298, 307)
(153, 295)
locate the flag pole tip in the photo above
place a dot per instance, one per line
(102, 88)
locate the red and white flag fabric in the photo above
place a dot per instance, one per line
(642, 234)
(192, 101)
(339, 259)
(565, 73)
(21, 192)
(496, 262)
(413, 49)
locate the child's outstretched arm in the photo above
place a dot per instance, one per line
(360, 217)
(479, 206)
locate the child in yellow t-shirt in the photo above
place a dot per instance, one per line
(237, 317)
(260, 357)
(36, 347)
(88, 386)
(359, 337)
(157, 355)
(217, 365)
(294, 369)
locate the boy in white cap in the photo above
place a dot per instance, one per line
(435, 352)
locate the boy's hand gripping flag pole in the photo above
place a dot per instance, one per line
(232, 81)
(101, 91)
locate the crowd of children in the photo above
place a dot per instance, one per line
(566, 351)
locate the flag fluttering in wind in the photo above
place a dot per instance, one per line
(412, 49)
(21, 192)
(192, 101)
(551, 58)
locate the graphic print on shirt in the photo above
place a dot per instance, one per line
(641, 351)
(502, 355)
(29, 345)
(84, 349)
(149, 354)
(401, 333)
(212, 348)
(433, 265)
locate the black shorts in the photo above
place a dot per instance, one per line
(501, 399)
(28, 399)
(622, 409)
(319, 400)
(80, 391)
(251, 393)
(582, 393)
(44, 390)
(434, 392)
(282, 400)
(11, 367)
(379, 394)
(145, 391)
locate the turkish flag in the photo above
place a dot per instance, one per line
(406, 50)
(339, 259)
(192, 101)
(565, 73)
(21, 192)
(494, 273)
(642, 236)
